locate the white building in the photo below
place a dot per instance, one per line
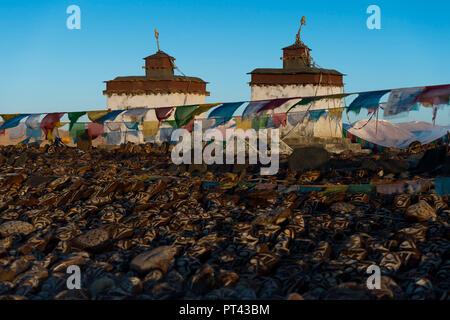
(160, 87)
(300, 78)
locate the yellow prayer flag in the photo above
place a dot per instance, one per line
(94, 115)
(150, 128)
(6, 117)
(203, 108)
(244, 125)
(58, 125)
(336, 112)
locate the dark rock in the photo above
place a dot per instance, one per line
(36, 181)
(432, 159)
(203, 280)
(21, 161)
(342, 164)
(322, 252)
(263, 263)
(131, 285)
(197, 168)
(100, 285)
(84, 142)
(369, 164)
(348, 291)
(394, 166)
(81, 294)
(308, 158)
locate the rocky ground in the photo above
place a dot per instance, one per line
(141, 228)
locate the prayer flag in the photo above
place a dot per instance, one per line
(368, 100)
(224, 113)
(401, 100)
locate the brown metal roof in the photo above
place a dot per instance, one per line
(144, 78)
(295, 71)
(160, 54)
(297, 45)
(154, 91)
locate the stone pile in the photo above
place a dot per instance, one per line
(141, 228)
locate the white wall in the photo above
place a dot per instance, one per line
(116, 101)
(325, 127)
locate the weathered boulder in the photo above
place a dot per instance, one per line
(16, 227)
(160, 258)
(84, 142)
(100, 285)
(308, 158)
(432, 159)
(420, 212)
(92, 240)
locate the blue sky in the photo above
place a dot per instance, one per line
(46, 67)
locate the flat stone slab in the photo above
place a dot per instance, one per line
(16, 227)
(160, 258)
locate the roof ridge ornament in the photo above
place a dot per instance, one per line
(302, 22)
(157, 38)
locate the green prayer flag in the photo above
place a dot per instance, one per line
(260, 123)
(363, 188)
(333, 190)
(303, 102)
(306, 101)
(73, 117)
(171, 123)
(77, 129)
(183, 115)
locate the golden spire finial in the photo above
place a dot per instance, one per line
(302, 23)
(157, 38)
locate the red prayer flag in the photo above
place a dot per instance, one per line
(274, 104)
(279, 119)
(163, 113)
(95, 130)
(50, 121)
(435, 95)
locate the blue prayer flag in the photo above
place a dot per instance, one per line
(223, 113)
(368, 100)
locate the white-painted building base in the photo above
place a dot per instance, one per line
(124, 101)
